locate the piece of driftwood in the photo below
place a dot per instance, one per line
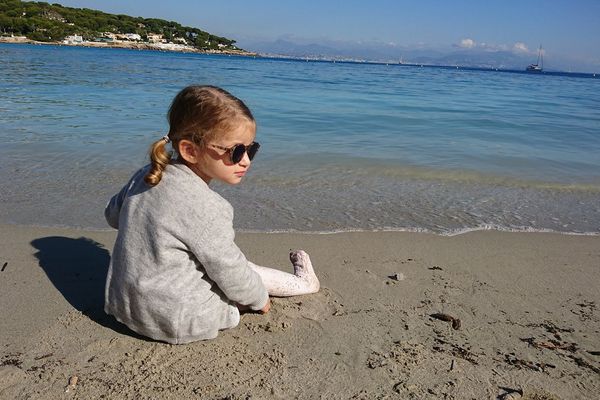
(519, 363)
(448, 318)
(551, 344)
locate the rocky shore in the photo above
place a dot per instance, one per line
(130, 45)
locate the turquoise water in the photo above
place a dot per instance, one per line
(344, 146)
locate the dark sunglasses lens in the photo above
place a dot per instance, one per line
(237, 153)
(252, 150)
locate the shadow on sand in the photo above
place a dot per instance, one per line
(78, 268)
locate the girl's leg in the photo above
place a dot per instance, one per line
(282, 284)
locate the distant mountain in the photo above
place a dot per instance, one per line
(389, 52)
(377, 51)
(327, 49)
(284, 47)
(481, 59)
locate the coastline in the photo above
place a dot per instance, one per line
(130, 45)
(527, 304)
(314, 59)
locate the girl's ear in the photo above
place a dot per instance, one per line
(188, 150)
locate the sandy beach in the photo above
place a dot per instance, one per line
(483, 315)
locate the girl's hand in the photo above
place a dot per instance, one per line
(266, 308)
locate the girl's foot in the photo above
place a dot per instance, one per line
(303, 269)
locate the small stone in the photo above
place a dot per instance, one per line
(456, 323)
(512, 396)
(398, 387)
(72, 383)
(398, 276)
(377, 363)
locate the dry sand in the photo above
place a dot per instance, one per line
(527, 304)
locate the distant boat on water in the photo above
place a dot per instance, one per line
(539, 65)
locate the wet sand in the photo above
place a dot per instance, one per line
(483, 315)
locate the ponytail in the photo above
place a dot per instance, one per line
(159, 159)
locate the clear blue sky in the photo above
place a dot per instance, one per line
(567, 28)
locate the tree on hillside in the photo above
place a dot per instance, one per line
(52, 22)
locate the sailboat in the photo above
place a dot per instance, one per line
(537, 67)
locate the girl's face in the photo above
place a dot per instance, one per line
(212, 162)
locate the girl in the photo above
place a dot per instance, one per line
(176, 274)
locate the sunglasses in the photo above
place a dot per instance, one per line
(236, 152)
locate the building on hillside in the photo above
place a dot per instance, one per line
(180, 40)
(156, 38)
(128, 36)
(104, 39)
(73, 39)
(53, 16)
(133, 36)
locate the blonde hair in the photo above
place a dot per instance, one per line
(199, 114)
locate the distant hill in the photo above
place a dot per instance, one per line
(392, 53)
(46, 22)
(382, 52)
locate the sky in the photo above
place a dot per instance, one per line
(567, 29)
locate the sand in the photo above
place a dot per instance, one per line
(527, 305)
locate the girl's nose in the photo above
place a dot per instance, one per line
(245, 161)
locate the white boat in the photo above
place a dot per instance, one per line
(539, 65)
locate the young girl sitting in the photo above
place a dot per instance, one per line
(176, 274)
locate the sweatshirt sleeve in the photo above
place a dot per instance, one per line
(113, 207)
(226, 265)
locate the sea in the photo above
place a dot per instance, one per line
(344, 146)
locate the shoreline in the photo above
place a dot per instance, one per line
(130, 46)
(453, 233)
(243, 53)
(527, 304)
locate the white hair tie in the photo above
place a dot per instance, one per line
(166, 139)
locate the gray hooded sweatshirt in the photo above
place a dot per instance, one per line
(175, 271)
